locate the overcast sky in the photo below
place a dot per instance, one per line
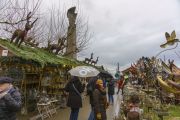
(125, 30)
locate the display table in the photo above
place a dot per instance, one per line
(46, 110)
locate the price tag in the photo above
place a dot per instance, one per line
(4, 52)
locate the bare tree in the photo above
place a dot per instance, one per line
(14, 16)
(57, 26)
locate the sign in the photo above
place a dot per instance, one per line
(117, 75)
(4, 52)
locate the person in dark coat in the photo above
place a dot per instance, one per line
(74, 87)
(100, 101)
(90, 88)
(10, 99)
(111, 91)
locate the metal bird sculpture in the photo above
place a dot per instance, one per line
(171, 39)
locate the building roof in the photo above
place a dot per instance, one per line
(36, 54)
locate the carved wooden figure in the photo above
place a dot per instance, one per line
(61, 45)
(94, 62)
(88, 60)
(19, 34)
(57, 47)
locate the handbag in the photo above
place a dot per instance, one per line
(77, 91)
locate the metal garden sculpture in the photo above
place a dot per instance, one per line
(94, 62)
(88, 60)
(171, 39)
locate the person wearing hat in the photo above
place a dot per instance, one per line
(10, 99)
(100, 101)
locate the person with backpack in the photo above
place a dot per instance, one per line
(10, 99)
(90, 88)
(74, 87)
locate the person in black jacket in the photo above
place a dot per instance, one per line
(90, 88)
(10, 99)
(74, 87)
(111, 92)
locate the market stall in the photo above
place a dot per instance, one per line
(36, 72)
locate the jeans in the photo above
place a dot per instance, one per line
(91, 116)
(111, 98)
(74, 114)
(121, 91)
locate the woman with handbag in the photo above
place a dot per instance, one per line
(74, 87)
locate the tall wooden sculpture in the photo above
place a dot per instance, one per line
(71, 34)
(19, 34)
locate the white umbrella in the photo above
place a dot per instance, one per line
(84, 71)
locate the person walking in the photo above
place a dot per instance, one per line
(111, 91)
(100, 101)
(74, 87)
(90, 88)
(10, 99)
(120, 84)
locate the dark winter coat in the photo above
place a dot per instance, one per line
(100, 101)
(90, 88)
(10, 104)
(74, 99)
(111, 88)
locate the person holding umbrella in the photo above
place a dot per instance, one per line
(74, 92)
(10, 99)
(74, 87)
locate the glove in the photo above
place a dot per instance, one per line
(98, 116)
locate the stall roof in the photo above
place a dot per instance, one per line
(37, 54)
